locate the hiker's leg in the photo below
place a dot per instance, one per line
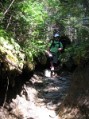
(50, 56)
(55, 58)
(51, 62)
(48, 53)
(52, 65)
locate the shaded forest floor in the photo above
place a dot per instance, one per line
(38, 98)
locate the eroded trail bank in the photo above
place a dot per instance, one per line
(39, 98)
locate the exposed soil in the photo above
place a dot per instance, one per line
(39, 98)
(76, 104)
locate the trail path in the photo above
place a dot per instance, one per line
(39, 98)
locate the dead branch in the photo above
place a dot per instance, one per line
(9, 22)
(8, 61)
(6, 92)
(9, 7)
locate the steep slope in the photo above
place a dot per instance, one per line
(76, 104)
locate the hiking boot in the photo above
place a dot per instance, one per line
(53, 75)
(52, 68)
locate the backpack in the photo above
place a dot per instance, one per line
(65, 41)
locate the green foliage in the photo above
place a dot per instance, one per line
(11, 49)
(29, 21)
(78, 52)
(31, 18)
(25, 21)
(34, 48)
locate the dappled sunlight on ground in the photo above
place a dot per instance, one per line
(39, 98)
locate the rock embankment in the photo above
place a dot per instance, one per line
(76, 104)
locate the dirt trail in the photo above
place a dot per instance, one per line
(39, 98)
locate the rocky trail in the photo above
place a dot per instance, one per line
(39, 98)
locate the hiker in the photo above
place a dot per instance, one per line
(54, 50)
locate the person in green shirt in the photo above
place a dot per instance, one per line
(54, 51)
